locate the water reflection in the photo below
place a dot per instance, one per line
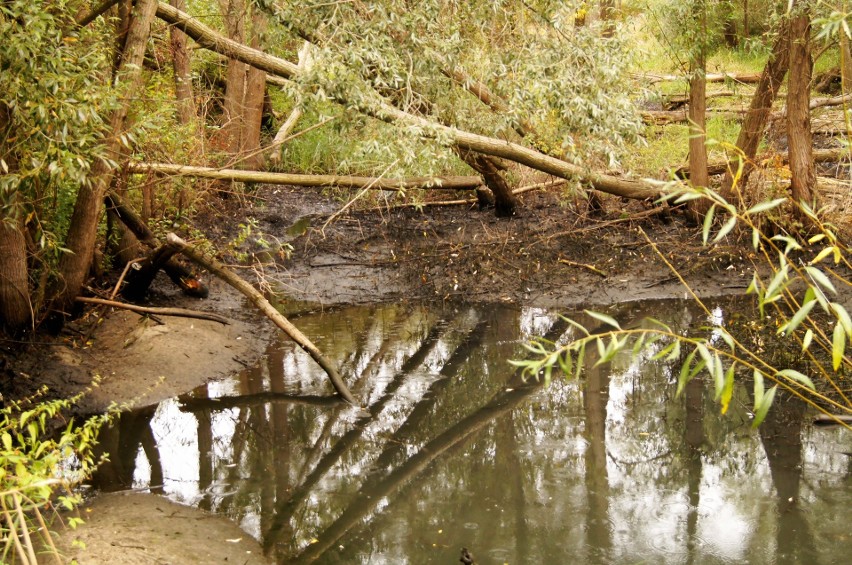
(454, 450)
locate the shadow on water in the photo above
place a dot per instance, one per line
(453, 449)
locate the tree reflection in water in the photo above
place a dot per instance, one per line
(453, 449)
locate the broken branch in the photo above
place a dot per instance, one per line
(177, 312)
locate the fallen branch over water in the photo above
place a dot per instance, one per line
(343, 181)
(177, 312)
(268, 309)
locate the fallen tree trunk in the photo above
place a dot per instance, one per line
(344, 181)
(746, 78)
(268, 309)
(721, 167)
(210, 39)
(663, 117)
(830, 101)
(177, 312)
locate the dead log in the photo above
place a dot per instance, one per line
(721, 167)
(319, 181)
(745, 78)
(677, 101)
(177, 312)
(378, 109)
(180, 274)
(142, 273)
(663, 117)
(830, 101)
(268, 309)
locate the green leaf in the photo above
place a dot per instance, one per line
(708, 223)
(728, 390)
(765, 206)
(822, 255)
(761, 411)
(609, 320)
(806, 341)
(796, 376)
(777, 282)
(820, 278)
(726, 228)
(685, 377)
(758, 389)
(843, 318)
(755, 238)
(838, 346)
(797, 318)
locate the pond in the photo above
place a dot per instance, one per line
(454, 450)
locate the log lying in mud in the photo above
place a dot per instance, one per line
(721, 167)
(343, 181)
(746, 78)
(268, 310)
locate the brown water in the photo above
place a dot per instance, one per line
(454, 450)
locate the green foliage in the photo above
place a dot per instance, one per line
(797, 296)
(568, 83)
(40, 467)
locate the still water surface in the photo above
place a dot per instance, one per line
(454, 450)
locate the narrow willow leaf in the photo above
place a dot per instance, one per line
(764, 206)
(755, 238)
(822, 255)
(718, 376)
(763, 409)
(820, 279)
(665, 351)
(578, 326)
(609, 320)
(726, 337)
(777, 281)
(758, 389)
(754, 286)
(728, 390)
(796, 376)
(806, 341)
(726, 229)
(638, 344)
(797, 318)
(705, 354)
(601, 348)
(816, 238)
(565, 363)
(675, 353)
(685, 372)
(686, 197)
(708, 223)
(656, 322)
(838, 346)
(843, 318)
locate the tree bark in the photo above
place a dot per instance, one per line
(758, 115)
(183, 72)
(627, 188)
(799, 136)
(15, 308)
(268, 309)
(505, 203)
(697, 120)
(74, 266)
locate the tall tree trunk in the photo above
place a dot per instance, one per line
(245, 86)
(799, 136)
(15, 309)
(697, 109)
(758, 114)
(183, 75)
(74, 266)
(845, 63)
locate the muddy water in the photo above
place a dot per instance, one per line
(453, 450)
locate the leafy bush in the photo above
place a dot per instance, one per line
(795, 295)
(38, 468)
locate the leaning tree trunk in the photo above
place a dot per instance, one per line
(758, 115)
(80, 241)
(800, 138)
(697, 120)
